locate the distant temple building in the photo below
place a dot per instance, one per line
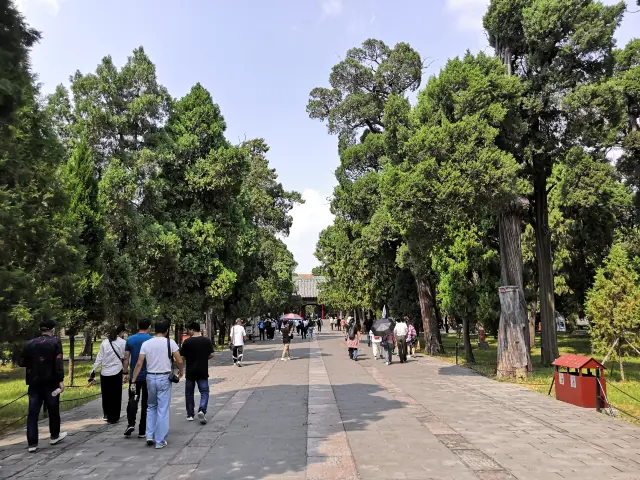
(307, 289)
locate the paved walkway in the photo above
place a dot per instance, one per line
(321, 416)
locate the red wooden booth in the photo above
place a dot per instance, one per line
(580, 381)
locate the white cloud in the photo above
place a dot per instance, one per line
(332, 8)
(469, 13)
(309, 219)
(36, 7)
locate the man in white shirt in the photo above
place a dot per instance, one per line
(159, 352)
(237, 337)
(400, 332)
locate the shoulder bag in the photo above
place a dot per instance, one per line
(173, 378)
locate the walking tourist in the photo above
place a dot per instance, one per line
(137, 390)
(261, 329)
(273, 329)
(388, 342)
(304, 328)
(343, 323)
(286, 341)
(332, 322)
(197, 351)
(412, 338)
(353, 341)
(237, 337)
(110, 361)
(298, 327)
(42, 359)
(311, 327)
(375, 341)
(159, 353)
(400, 331)
(319, 324)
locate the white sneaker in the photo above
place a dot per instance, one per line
(61, 437)
(33, 449)
(202, 417)
(189, 419)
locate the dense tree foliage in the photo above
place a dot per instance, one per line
(549, 128)
(119, 202)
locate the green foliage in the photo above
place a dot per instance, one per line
(588, 204)
(613, 304)
(40, 256)
(118, 202)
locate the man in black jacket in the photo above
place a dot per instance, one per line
(42, 357)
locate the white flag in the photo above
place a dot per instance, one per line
(384, 312)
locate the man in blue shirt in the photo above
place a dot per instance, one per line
(139, 388)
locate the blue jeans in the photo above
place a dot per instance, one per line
(203, 388)
(159, 400)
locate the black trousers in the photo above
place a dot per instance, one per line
(237, 353)
(262, 334)
(38, 396)
(140, 395)
(304, 332)
(402, 349)
(319, 327)
(111, 388)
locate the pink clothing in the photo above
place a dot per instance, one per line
(411, 333)
(355, 343)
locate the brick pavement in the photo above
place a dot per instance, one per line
(322, 416)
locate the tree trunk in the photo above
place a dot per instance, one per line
(545, 270)
(620, 360)
(222, 331)
(468, 351)
(533, 309)
(433, 344)
(72, 366)
(87, 343)
(514, 360)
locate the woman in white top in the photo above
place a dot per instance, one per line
(109, 360)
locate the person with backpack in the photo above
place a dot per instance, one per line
(160, 353)
(42, 359)
(353, 341)
(237, 337)
(305, 328)
(110, 360)
(261, 328)
(310, 328)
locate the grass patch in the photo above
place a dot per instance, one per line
(12, 385)
(542, 376)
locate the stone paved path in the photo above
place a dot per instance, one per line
(321, 416)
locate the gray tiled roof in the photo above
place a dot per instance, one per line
(307, 285)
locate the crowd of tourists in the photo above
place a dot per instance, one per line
(149, 365)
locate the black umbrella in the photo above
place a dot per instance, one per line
(382, 327)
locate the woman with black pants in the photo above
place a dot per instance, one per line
(109, 360)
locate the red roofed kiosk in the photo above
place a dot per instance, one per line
(580, 381)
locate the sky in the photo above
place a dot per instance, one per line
(259, 59)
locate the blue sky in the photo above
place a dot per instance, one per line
(259, 59)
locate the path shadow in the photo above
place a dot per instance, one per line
(267, 437)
